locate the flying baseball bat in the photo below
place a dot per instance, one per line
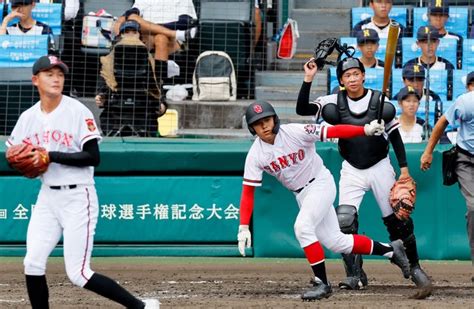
(392, 40)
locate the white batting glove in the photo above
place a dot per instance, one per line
(245, 238)
(374, 128)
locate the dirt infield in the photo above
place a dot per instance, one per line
(241, 283)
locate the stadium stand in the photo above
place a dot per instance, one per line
(446, 49)
(458, 19)
(468, 51)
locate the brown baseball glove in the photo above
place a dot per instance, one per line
(31, 161)
(403, 197)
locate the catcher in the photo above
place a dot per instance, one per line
(57, 140)
(366, 164)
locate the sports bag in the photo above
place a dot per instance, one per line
(214, 77)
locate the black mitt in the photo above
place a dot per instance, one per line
(323, 50)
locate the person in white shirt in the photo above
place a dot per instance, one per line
(288, 153)
(166, 27)
(411, 127)
(67, 204)
(438, 15)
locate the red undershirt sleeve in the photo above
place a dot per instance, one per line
(345, 131)
(246, 204)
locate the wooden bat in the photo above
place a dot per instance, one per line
(392, 40)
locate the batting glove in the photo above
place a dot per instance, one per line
(245, 238)
(374, 128)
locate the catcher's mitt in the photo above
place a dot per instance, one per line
(403, 197)
(31, 161)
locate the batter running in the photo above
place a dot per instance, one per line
(288, 153)
(67, 203)
(366, 164)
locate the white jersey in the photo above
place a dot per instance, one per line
(414, 135)
(164, 11)
(292, 159)
(65, 129)
(356, 107)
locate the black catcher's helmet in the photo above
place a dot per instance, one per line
(346, 64)
(259, 110)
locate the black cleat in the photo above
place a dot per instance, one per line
(399, 257)
(419, 277)
(318, 291)
(422, 281)
(352, 283)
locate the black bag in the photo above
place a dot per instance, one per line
(449, 166)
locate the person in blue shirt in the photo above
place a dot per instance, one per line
(461, 113)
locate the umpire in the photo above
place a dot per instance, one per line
(366, 163)
(460, 113)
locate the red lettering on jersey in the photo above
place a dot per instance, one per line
(275, 166)
(27, 141)
(292, 157)
(268, 169)
(56, 136)
(283, 162)
(301, 154)
(90, 124)
(67, 140)
(37, 139)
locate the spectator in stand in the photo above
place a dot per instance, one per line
(411, 126)
(167, 26)
(109, 97)
(21, 10)
(380, 21)
(427, 39)
(368, 44)
(414, 75)
(438, 16)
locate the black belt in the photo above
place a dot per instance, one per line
(63, 187)
(301, 189)
(463, 151)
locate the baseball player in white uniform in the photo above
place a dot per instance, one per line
(67, 203)
(366, 164)
(288, 153)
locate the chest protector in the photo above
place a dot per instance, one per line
(364, 151)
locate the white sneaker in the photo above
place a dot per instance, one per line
(151, 303)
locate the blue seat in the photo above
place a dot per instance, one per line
(48, 13)
(22, 50)
(457, 22)
(358, 14)
(351, 41)
(467, 55)
(459, 82)
(446, 49)
(373, 78)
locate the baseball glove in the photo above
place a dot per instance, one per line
(403, 197)
(31, 161)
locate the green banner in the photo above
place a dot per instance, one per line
(145, 209)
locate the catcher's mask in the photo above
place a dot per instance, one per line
(259, 110)
(346, 64)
